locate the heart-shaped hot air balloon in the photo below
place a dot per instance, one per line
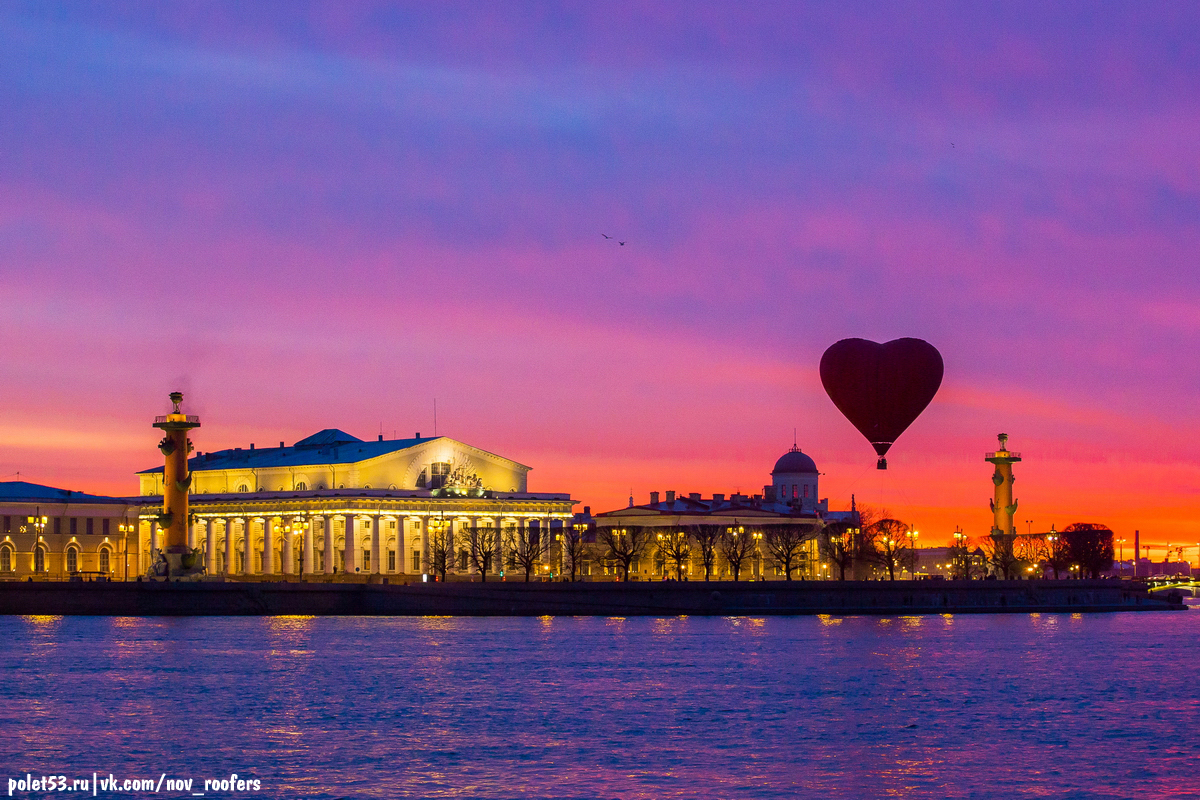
(881, 388)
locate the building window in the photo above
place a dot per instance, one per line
(8, 524)
(6, 558)
(422, 480)
(438, 472)
(74, 526)
(462, 560)
(91, 526)
(301, 487)
(391, 560)
(104, 560)
(58, 526)
(242, 487)
(39, 559)
(416, 561)
(104, 526)
(72, 560)
(806, 491)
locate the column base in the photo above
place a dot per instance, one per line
(177, 563)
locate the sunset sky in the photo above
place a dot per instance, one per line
(329, 217)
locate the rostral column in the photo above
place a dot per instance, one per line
(181, 561)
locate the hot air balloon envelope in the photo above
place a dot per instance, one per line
(881, 388)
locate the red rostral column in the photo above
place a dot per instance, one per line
(177, 481)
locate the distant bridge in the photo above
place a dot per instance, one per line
(1185, 585)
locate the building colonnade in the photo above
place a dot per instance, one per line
(353, 541)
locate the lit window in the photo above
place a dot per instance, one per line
(6, 559)
(39, 559)
(73, 559)
(301, 487)
(242, 487)
(391, 560)
(104, 560)
(416, 560)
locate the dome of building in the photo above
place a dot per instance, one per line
(793, 462)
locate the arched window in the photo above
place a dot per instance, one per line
(105, 562)
(242, 487)
(72, 559)
(39, 559)
(6, 559)
(301, 487)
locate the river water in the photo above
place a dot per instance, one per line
(1057, 705)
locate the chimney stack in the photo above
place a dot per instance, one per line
(671, 496)
(654, 498)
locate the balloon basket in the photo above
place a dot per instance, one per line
(881, 464)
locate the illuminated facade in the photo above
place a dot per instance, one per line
(58, 534)
(335, 504)
(790, 499)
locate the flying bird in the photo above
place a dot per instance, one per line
(606, 236)
(621, 243)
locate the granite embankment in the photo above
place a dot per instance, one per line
(719, 598)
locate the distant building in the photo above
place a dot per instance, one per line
(57, 534)
(335, 503)
(790, 499)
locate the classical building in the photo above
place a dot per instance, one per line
(59, 534)
(333, 503)
(790, 499)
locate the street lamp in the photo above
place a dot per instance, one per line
(125, 529)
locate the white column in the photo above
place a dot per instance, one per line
(424, 523)
(229, 566)
(247, 546)
(269, 528)
(289, 555)
(351, 554)
(376, 548)
(401, 567)
(153, 540)
(308, 546)
(191, 534)
(210, 546)
(327, 532)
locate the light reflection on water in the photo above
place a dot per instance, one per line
(938, 706)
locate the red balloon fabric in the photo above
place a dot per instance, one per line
(881, 388)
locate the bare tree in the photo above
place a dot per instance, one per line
(1089, 546)
(574, 549)
(736, 546)
(675, 546)
(441, 548)
(999, 548)
(890, 546)
(836, 543)
(785, 544)
(525, 547)
(623, 545)
(1058, 556)
(481, 549)
(706, 538)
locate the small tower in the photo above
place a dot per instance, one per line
(177, 481)
(1004, 507)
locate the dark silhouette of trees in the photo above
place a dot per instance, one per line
(837, 546)
(441, 548)
(1090, 546)
(481, 547)
(736, 546)
(999, 549)
(890, 547)
(623, 545)
(574, 550)
(1058, 554)
(706, 538)
(785, 544)
(673, 545)
(525, 546)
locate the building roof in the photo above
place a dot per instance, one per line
(25, 492)
(330, 446)
(793, 461)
